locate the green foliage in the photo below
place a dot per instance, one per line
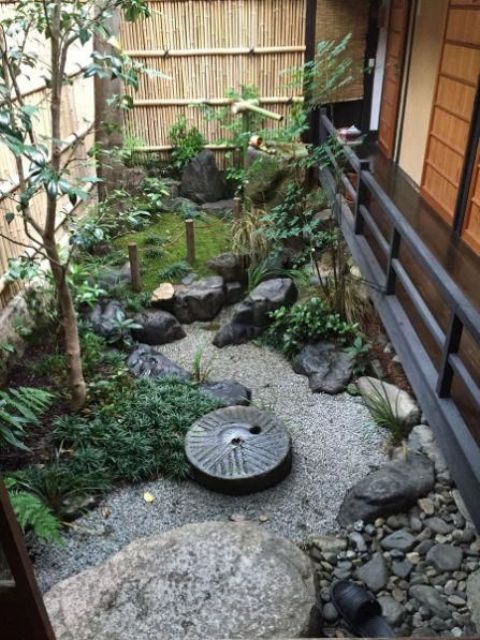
(268, 268)
(385, 414)
(248, 237)
(154, 240)
(20, 408)
(360, 351)
(201, 368)
(304, 323)
(187, 142)
(155, 190)
(175, 271)
(145, 435)
(32, 514)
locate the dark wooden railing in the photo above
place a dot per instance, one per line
(432, 384)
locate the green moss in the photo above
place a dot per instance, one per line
(212, 236)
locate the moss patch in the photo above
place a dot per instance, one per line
(163, 244)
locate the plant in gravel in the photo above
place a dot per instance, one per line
(187, 142)
(385, 414)
(32, 514)
(305, 323)
(268, 268)
(20, 408)
(359, 350)
(201, 368)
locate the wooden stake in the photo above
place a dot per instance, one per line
(237, 209)
(190, 239)
(135, 276)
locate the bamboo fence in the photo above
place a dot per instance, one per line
(77, 134)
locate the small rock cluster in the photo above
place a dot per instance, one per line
(422, 563)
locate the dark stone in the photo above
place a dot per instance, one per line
(374, 574)
(182, 205)
(394, 487)
(264, 178)
(201, 180)
(103, 317)
(233, 292)
(201, 300)
(158, 327)
(328, 367)
(252, 315)
(227, 266)
(229, 392)
(392, 610)
(424, 546)
(238, 450)
(445, 557)
(430, 598)
(437, 525)
(221, 208)
(399, 540)
(145, 361)
(402, 568)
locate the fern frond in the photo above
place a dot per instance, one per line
(32, 514)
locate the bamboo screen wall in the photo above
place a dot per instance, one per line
(77, 121)
(208, 47)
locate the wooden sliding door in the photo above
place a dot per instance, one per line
(451, 118)
(392, 79)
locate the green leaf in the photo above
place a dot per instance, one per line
(9, 217)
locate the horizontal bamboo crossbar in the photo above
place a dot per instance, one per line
(218, 51)
(211, 102)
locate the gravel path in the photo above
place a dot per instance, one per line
(335, 445)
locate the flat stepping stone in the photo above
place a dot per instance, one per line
(214, 580)
(238, 450)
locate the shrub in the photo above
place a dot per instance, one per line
(32, 514)
(304, 323)
(187, 142)
(19, 408)
(174, 272)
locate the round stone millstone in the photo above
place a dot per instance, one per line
(239, 450)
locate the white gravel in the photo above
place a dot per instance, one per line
(335, 444)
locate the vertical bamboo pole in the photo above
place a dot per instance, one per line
(190, 240)
(135, 276)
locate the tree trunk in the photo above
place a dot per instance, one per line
(77, 384)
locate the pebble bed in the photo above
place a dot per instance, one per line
(335, 444)
(423, 566)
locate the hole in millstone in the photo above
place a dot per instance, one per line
(255, 430)
(236, 441)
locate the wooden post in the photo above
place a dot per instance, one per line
(22, 611)
(237, 209)
(311, 135)
(359, 200)
(391, 276)
(190, 239)
(135, 276)
(451, 345)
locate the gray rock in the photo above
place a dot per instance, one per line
(328, 367)
(424, 632)
(329, 613)
(221, 208)
(234, 292)
(227, 266)
(473, 597)
(358, 541)
(437, 525)
(329, 544)
(111, 276)
(394, 487)
(264, 178)
(445, 557)
(392, 610)
(400, 540)
(403, 406)
(421, 439)
(201, 180)
(103, 318)
(229, 392)
(145, 361)
(430, 598)
(202, 300)
(402, 568)
(374, 574)
(251, 316)
(158, 327)
(209, 580)
(185, 206)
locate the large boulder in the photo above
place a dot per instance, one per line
(200, 300)
(145, 361)
(229, 392)
(211, 580)
(228, 266)
(394, 487)
(201, 180)
(104, 318)
(264, 177)
(403, 406)
(221, 208)
(328, 367)
(157, 327)
(251, 316)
